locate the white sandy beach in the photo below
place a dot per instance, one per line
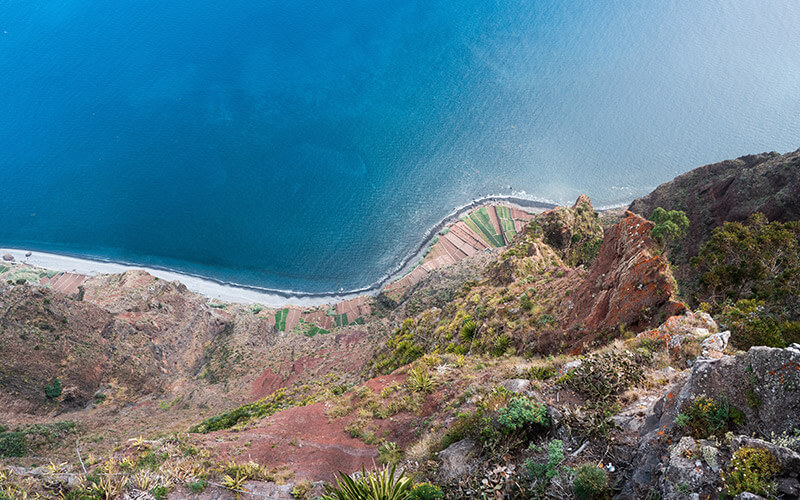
(252, 295)
(208, 288)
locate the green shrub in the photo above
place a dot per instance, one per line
(389, 453)
(521, 412)
(753, 470)
(53, 390)
(704, 417)
(402, 349)
(751, 324)
(426, 491)
(159, 492)
(468, 330)
(198, 486)
(13, 444)
(757, 260)
(542, 372)
(375, 485)
(590, 482)
(669, 226)
(277, 401)
(467, 424)
(543, 472)
(500, 344)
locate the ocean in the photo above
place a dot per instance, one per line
(308, 146)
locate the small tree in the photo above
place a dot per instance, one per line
(669, 227)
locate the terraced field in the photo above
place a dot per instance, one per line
(486, 227)
(506, 222)
(280, 319)
(480, 221)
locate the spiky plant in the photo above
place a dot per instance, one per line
(383, 484)
(419, 380)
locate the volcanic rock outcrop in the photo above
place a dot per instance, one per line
(628, 285)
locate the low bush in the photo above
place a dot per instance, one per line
(542, 472)
(590, 482)
(751, 324)
(52, 391)
(521, 413)
(425, 491)
(419, 380)
(402, 349)
(704, 417)
(467, 424)
(13, 444)
(277, 401)
(601, 376)
(752, 470)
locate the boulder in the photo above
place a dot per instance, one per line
(762, 383)
(568, 367)
(8, 257)
(456, 460)
(686, 476)
(516, 385)
(676, 329)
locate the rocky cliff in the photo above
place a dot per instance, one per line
(730, 190)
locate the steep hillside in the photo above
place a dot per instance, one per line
(730, 190)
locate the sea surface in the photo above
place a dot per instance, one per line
(308, 145)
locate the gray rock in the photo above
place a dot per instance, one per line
(707, 321)
(568, 367)
(8, 257)
(685, 475)
(517, 385)
(771, 375)
(748, 496)
(789, 486)
(456, 460)
(715, 345)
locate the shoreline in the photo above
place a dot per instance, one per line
(250, 294)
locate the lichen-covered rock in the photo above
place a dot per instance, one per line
(763, 383)
(568, 367)
(456, 459)
(629, 285)
(517, 385)
(676, 329)
(685, 475)
(715, 345)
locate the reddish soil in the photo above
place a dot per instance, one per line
(66, 283)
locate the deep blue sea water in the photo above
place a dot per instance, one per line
(308, 145)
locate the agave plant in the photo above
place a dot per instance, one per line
(419, 380)
(378, 485)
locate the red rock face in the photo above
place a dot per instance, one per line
(628, 285)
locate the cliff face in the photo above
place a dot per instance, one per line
(730, 190)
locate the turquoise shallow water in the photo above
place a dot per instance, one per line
(308, 146)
